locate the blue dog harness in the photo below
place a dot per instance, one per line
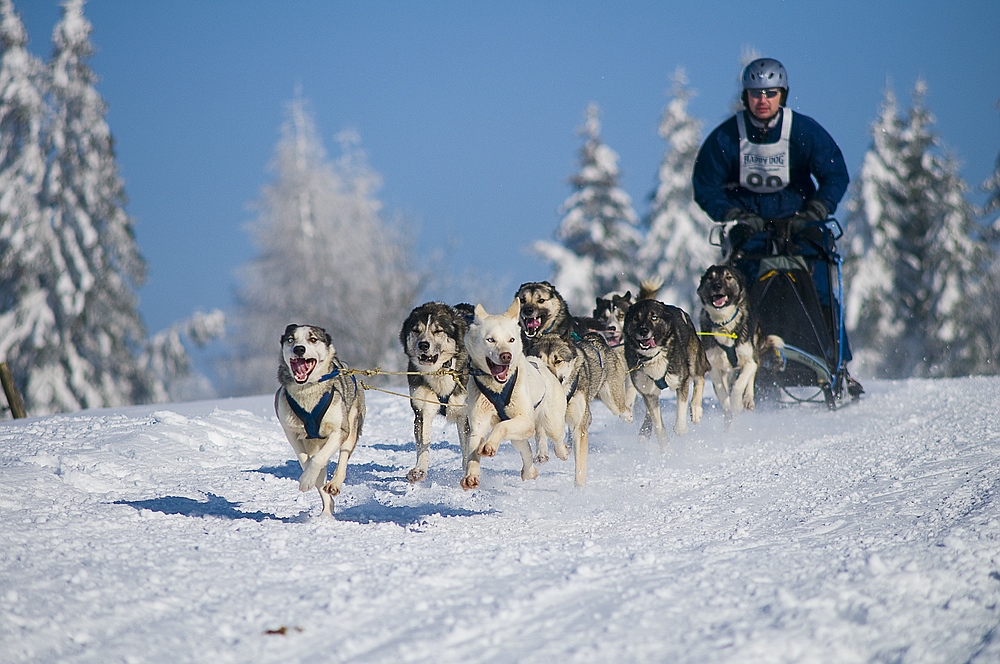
(312, 419)
(501, 399)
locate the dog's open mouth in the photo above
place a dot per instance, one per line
(301, 368)
(532, 325)
(500, 372)
(720, 300)
(613, 337)
(647, 343)
(424, 358)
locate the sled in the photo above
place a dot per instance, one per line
(780, 268)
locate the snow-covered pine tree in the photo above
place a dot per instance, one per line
(676, 249)
(326, 257)
(98, 263)
(984, 322)
(875, 215)
(26, 321)
(917, 257)
(598, 236)
(166, 357)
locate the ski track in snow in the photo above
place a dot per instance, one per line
(177, 533)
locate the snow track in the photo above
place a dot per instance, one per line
(176, 533)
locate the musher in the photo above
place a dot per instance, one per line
(766, 164)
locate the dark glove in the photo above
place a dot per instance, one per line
(741, 216)
(813, 210)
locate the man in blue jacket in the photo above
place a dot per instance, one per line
(766, 164)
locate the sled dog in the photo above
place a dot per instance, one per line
(662, 350)
(544, 311)
(433, 338)
(511, 396)
(320, 409)
(733, 342)
(610, 317)
(610, 311)
(588, 369)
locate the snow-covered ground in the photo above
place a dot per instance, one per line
(177, 534)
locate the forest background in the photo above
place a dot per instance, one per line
(488, 237)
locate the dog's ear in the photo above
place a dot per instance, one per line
(325, 336)
(481, 313)
(514, 310)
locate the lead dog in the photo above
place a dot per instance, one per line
(511, 396)
(587, 369)
(433, 338)
(320, 409)
(734, 344)
(662, 350)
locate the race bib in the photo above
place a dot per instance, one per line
(764, 168)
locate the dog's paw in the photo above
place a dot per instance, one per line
(541, 457)
(680, 428)
(470, 482)
(307, 482)
(529, 473)
(627, 416)
(696, 413)
(331, 488)
(488, 450)
(416, 475)
(561, 451)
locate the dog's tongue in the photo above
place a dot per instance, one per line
(302, 367)
(647, 343)
(720, 301)
(532, 324)
(499, 371)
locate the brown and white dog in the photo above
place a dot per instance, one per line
(663, 351)
(511, 396)
(320, 409)
(733, 341)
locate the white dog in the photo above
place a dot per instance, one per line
(511, 396)
(320, 409)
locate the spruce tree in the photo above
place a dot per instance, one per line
(598, 236)
(913, 254)
(99, 265)
(28, 334)
(326, 257)
(676, 250)
(984, 312)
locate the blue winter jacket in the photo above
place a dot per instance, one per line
(812, 152)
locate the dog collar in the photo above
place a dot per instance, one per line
(731, 319)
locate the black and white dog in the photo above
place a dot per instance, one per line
(319, 407)
(433, 338)
(734, 343)
(663, 351)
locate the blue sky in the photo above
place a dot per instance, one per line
(469, 110)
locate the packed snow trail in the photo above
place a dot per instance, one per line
(177, 533)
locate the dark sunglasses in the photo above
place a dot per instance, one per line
(768, 94)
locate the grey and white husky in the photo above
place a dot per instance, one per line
(320, 409)
(588, 369)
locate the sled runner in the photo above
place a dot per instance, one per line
(796, 286)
